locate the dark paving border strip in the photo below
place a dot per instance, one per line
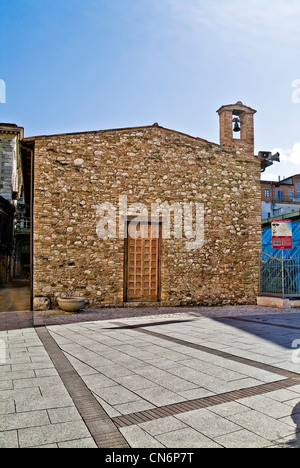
(104, 432)
(206, 402)
(291, 380)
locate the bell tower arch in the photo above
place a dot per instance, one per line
(237, 126)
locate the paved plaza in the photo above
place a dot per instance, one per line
(178, 378)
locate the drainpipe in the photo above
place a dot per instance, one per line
(272, 200)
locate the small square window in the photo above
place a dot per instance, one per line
(267, 193)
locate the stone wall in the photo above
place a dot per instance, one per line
(75, 173)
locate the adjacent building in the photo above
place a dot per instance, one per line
(14, 239)
(281, 197)
(6, 240)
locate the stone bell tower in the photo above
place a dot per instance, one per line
(237, 127)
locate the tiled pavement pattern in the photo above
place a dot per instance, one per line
(103, 430)
(179, 380)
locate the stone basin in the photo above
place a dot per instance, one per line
(71, 304)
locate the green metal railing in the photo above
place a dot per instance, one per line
(279, 276)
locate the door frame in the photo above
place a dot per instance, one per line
(125, 275)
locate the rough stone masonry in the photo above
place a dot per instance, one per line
(75, 173)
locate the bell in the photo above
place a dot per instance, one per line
(236, 127)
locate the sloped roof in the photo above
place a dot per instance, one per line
(155, 125)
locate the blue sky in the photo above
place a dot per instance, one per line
(73, 65)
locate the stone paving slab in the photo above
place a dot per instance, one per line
(37, 410)
(182, 379)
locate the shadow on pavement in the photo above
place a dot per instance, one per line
(282, 329)
(296, 418)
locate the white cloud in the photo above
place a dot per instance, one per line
(295, 154)
(259, 24)
(290, 156)
(270, 177)
(289, 164)
(250, 13)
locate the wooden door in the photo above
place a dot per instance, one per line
(142, 262)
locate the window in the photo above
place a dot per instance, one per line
(291, 194)
(279, 195)
(267, 193)
(298, 190)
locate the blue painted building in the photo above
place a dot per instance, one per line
(267, 236)
(271, 260)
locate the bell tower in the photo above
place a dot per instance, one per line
(237, 126)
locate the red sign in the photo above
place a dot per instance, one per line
(282, 234)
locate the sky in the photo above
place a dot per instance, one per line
(73, 65)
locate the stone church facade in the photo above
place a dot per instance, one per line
(147, 215)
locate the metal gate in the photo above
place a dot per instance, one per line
(279, 276)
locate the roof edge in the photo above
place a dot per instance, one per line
(238, 106)
(155, 125)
